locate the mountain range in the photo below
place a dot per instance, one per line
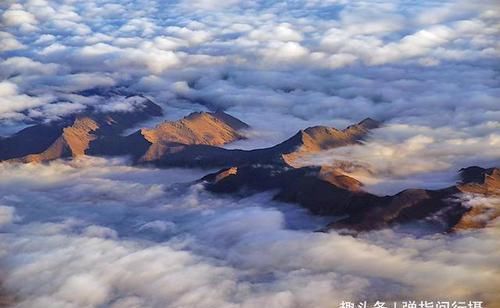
(197, 139)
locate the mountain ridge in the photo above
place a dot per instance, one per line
(285, 153)
(74, 135)
(312, 188)
(196, 140)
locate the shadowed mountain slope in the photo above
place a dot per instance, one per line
(213, 129)
(483, 182)
(303, 143)
(151, 145)
(326, 191)
(195, 141)
(33, 139)
(74, 135)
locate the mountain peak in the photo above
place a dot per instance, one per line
(364, 125)
(73, 141)
(75, 134)
(318, 138)
(320, 129)
(370, 123)
(474, 174)
(480, 180)
(229, 119)
(198, 128)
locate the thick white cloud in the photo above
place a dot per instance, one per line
(11, 101)
(284, 52)
(350, 56)
(9, 42)
(122, 238)
(209, 4)
(26, 66)
(15, 15)
(98, 233)
(280, 32)
(402, 156)
(123, 104)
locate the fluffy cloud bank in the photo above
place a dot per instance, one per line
(399, 156)
(98, 233)
(235, 49)
(278, 66)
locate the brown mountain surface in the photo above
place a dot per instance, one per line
(195, 140)
(74, 136)
(318, 138)
(100, 134)
(33, 139)
(482, 182)
(192, 141)
(214, 129)
(305, 142)
(326, 191)
(73, 142)
(337, 177)
(307, 186)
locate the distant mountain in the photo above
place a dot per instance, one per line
(318, 138)
(98, 133)
(480, 181)
(196, 140)
(33, 139)
(326, 191)
(303, 143)
(213, 129)
(74, 135)
(73, 141)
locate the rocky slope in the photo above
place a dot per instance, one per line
(154, 145)
(196, 140)
(99, 134)
(203, 128)
(483, 182)
(33, 139)
(73, 141)
(479, 180)
(75, 135)
(320, 138)
(287, 153)
(328, 192)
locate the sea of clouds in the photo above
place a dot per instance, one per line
(98, 232)
(427, 69)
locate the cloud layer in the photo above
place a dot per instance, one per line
(278, 66)
(98, 233)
